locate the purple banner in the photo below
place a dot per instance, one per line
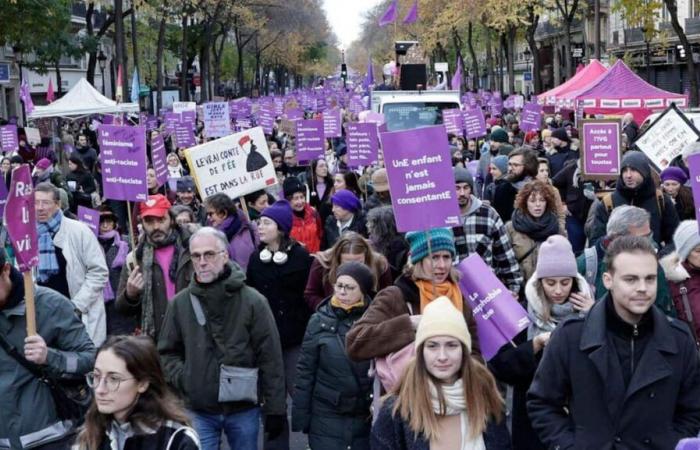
(184, 136)
(310, 139)
(419, 167)
(8, 138)
(601, 148)
(20, 218)
(159, 159)
(474, 123)
(123, 157)
(453, 120)
(362, 140)
(498, 315)
(91, 218)
(694, 168)
(531, 117)
(331, 123)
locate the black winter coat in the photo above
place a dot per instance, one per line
(559, 159)
(504, 199)
(330, 229)
(578, 397)
(283, 287)
(332, 394)
(185, 439)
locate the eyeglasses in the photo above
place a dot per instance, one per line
(208, 256)
(344, 287)
(510, 164)
(112, 382)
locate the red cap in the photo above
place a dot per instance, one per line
(156, 206)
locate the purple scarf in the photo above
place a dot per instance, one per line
(119, 259)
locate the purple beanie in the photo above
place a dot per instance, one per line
(556, 259)
(675, 174)
(281, 213)
(346, 200)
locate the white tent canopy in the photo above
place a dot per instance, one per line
(82, 100)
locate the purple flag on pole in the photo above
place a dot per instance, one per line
(26, 97)
(499, 317)
(389, 15)
(456, 84)
(158, 159)
(419, 167)
(20, 219)
(412, 15)
(91, 218)
(363, 142)
(309, 134)
(123, 157)
(369, 78)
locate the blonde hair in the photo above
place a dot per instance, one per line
(354, 244)
(415, 272)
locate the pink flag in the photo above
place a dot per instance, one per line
(49, 92)
(389, 15)
(412, 15)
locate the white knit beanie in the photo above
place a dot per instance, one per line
(441, 318)
(686, 238)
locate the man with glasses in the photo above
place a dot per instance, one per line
(219, 343)
(522, 168)
(28, 417)
(158, 269)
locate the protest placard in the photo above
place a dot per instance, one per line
(189, 117)
(331, 123)
(600, 148)
(216, 119)
(33, 136)
(531, 117)
(694, 169)
(3, 198)
(309, 139)
(8, 138)
(236, 165)
(179, 107)
(170, 121)
(474, 123)
(123, 158)
(184, 136)
(362, 142)
(266, 118)
(453, 120)
(666, 137)
(20, 218)
(91, 218)
(419, 168)
(498, 315)
(158, 158)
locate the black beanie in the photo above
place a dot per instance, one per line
(360, 273)
(561, 134)
(291, 186)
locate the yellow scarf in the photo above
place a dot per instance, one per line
(445, 289)
(338, 304)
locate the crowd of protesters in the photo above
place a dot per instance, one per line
(203, 318)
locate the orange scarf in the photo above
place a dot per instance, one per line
(445, 289)
(338, 304)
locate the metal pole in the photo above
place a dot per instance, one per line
(102, 69)
(21, 80)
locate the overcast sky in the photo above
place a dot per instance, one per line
(345, 17)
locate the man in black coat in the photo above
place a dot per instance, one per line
(623, 377)
(564, 153)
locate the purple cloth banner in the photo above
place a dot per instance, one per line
(474, 123)
(8, 138)
(453, 120)
(531, 117)
(331, 123)
(419, 167)
(310, 139)
(184, 136)
(91, 218)
(362, 140)
(499, 317)
(123, 157)
(601, 148)
(159, 159)
(20, 219)
(389, 15)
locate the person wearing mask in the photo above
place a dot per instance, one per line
(157, 269)
(522, 168)
(278, 269)
(307, 227)
(447, 398)
(187, 196)
(673, 180)
(86, 153)
(385, 238)
(133, 408)
(325, 373)
(624, 375)
(242, 234)
(534, 219)
(381, 195)
(71, 260)
(347, 216)
(224, 356)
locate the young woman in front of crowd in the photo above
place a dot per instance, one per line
(133, 408)
(446, 399)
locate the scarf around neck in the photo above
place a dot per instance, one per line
(455, 404)
(48, 263)
(446, 288)
(118, 261)
(537, 229)
(556, 314)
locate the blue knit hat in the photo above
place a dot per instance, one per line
(346, 200)
(281, 213)
(441, 239)
(501, 161)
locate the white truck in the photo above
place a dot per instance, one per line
(404, 110)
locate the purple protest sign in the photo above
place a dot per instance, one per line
(498, 315)
(294, 114)
(331, 123)
(419, 167)
(694, 169)
(266, 118)
(531, 117)
(3, 198)
(91, 218)
(600, 148)
(474, 123)
(189, 117)
(20, 219)
(171, 120)
(453, 120)
(8, 138)
(184, 136)
(123, 158)
(158, 159)
(310, 139)
(362, 141)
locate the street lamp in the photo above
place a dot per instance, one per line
(102, 60)
(17, 52)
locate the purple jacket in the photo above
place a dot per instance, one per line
(244, 242)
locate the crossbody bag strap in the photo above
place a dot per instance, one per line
(14, 353)
(688, 313)
(528, 253)
(202, 321)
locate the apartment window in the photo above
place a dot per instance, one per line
(695, 8)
